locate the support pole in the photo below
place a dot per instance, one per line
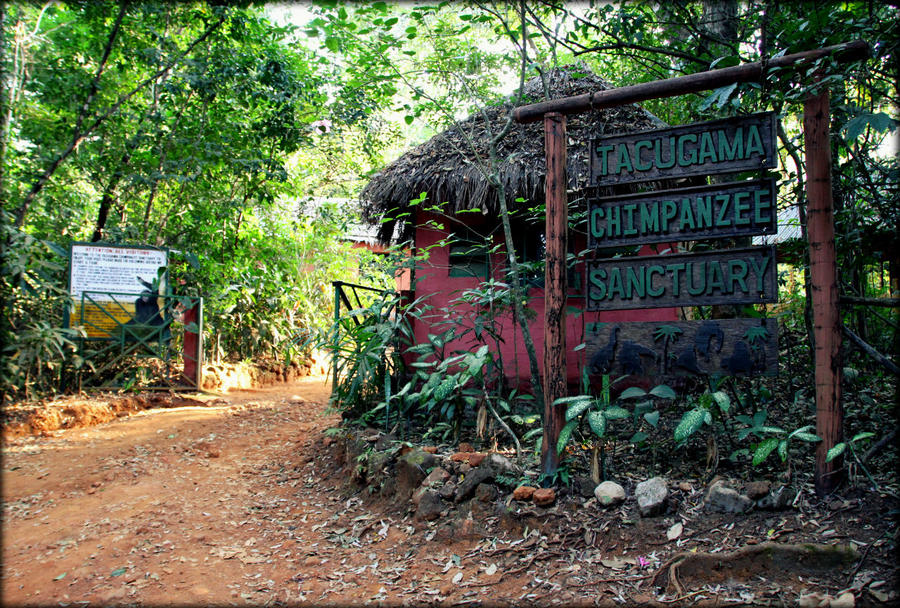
(192, 350)
(823, 283)
(554, 288)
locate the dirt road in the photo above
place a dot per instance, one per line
(196, 505)
(232, 503)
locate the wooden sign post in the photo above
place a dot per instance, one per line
(555, 287)
(821, 249)
(824, 290)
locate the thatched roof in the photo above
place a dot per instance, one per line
(450, 166)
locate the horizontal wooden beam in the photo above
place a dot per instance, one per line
(885, 302)
(692, 83)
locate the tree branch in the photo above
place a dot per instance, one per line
(79, 136)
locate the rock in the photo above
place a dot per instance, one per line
(502, 464)
(411, 469)
(523, 493)
(464, 468)
(476, 476)
(438, 476)
(757, 489)
(377, 464)
(417, 495)
(476, 458)
(583, 486)
(485, 492)
(609, 494)
(447, 491)
(466, 528)
(722, 499)
(544, 497)
(777, 499)
(297, 399)
(430, 506)
(489, 468)
(460, 457)
(385, 441)
(466, 447)
(844, 600)
(685, 487)
(651, 496)
(431, 449)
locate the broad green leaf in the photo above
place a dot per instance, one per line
(597, 422)
(616, 413)
(722, 400)
(564, 436)
(836, 451)
(445, 388)
(638, 437)
(782, 449)
(764, 449)
(652, 418)
(632, 392)
(690, 422)
(861, 436)
(663, 391)
(808, 437)
(578, 408)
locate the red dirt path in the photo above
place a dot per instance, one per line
(208, 505)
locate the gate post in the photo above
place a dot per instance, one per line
(192, 351)
(554, 287)
(823, 285)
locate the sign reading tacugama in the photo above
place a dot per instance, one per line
(686, 214)
(730, 145)
(732, 276)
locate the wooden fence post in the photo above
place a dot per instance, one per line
(554, 287)
(192, 349)
(823, 283)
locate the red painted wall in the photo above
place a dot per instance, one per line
(433, 283)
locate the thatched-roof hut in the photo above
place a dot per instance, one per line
(451, 167)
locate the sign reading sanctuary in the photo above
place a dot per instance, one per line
(731, 276)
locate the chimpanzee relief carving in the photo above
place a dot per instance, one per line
(743, 347)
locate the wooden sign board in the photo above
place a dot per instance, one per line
(730, 145)
(686, 214)
(731, 276)
(734, 347)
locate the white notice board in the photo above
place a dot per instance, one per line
(110, 269)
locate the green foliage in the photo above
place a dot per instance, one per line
(37, 350)
(771, 437)
(634, 403)
(365, 351)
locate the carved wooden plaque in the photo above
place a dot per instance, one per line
(731, 145)
(730, 276)
(687, 214)
(734, 347)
